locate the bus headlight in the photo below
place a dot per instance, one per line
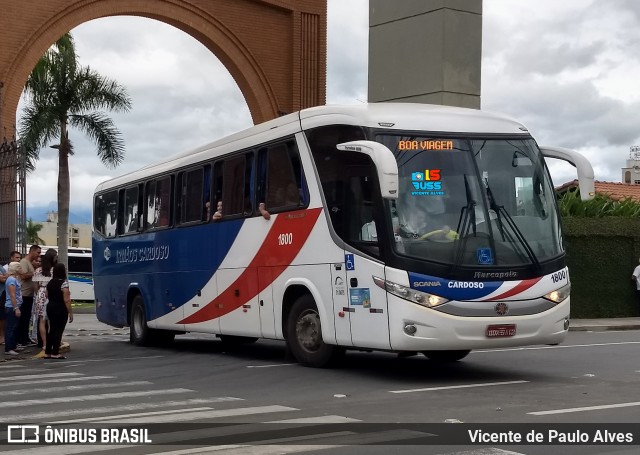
(421, 298)
(559, 295)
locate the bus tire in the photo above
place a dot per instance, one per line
(446, 356)
(304, 335)
(139, 333)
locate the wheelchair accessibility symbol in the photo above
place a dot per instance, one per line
(485, 256)
(349, 262)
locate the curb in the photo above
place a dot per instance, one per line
(603, 328)
(83, 310)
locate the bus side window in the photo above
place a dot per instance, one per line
(206, 194)
(281, 182)
(150, 219)
(105, 213)
(190, 197)
(157, 203)
(130, 214)
(233, 186)
(216, 202)
(163, 202)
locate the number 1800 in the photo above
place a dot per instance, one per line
(285, 239)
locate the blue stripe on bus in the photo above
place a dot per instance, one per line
(155, 258)
(452, 289)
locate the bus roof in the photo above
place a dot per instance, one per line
(391, 116)
(72, 250)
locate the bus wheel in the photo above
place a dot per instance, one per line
(304, 335)
(139, 333)
(446, 356)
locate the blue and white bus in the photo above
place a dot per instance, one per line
(396, 227)
(79, 272)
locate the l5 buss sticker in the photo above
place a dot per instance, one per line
(426, 183)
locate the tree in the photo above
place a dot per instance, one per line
(32, 231)
(60, 93)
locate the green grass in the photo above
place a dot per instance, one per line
(82, 304)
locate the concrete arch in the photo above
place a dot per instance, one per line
(274, 49)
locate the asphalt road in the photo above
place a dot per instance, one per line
(400, 405)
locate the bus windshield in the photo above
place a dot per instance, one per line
(473, 201)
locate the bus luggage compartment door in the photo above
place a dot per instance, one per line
(238, 295)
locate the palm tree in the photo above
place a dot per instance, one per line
(32, 232)
(61, 94)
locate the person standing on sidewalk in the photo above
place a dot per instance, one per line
(58, 310)
(14, 256)
(28, 290)
(41, 277)
(635, 276)
(12, 306)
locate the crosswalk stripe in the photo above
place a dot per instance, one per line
(39, 376)
(319, 419)
(213, 414)
(72, 379)
(487, 451)
(100, 385)
(45, 416)
(65, 449)
(464, 386)
(104, 396)
(124, 416)
(11, 366)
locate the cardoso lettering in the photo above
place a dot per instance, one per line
(466, 284)
(420, 284)
(143, 254)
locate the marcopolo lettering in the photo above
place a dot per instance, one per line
(465, 285)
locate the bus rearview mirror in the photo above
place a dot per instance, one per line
(384, 161)
(583, 167)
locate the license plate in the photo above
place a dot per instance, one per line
(501, 331)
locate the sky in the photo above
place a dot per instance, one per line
(567, 70)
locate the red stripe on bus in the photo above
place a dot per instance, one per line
(523, 286)
(282, 244)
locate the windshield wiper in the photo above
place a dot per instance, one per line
(467, 220)
(500, 210)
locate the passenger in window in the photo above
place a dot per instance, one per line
(263, 211)
(218, 215)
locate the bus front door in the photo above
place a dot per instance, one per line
(367, 303)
